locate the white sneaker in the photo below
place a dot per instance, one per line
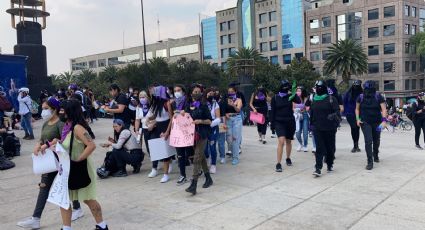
(77, 214)
(30, 222)
(305, 149)
(213, 169)
(223, 161)
(313, 150)
(153, 173)
(165, 178)
(299, 148)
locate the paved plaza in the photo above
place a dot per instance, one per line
(250, 195)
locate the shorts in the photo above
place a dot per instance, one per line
(285, 129)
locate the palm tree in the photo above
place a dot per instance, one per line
(244, 61)
(109, 74)
(346, 57)
(67, 77)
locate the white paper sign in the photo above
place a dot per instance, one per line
(44, 163)
(160, 149)
(59, 194)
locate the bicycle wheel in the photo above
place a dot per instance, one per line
(407, 126)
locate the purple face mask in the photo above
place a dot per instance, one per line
(261, 96)
(143, 101)
(232, 96)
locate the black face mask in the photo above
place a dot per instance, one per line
(210, 99)
(197, 96)
(321, 91)
(62, 117)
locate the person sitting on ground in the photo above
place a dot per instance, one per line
(125, 151)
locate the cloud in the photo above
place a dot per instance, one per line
(80, 27)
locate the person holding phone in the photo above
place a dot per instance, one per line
(233, 110)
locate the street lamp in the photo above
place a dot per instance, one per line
(144, 37)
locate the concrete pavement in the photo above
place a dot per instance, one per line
(250, 195)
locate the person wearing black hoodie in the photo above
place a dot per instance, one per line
(349, 111)
(419, 118)
(324, 111)
(371, 113)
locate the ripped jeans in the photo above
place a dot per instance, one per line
(211, 147)
(234, 134)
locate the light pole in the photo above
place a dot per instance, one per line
(144, 37)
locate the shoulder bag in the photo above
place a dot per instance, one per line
(78, 175)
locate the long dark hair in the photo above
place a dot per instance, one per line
(158, 105)
(204, 96)
(74, 113)
(304, 93)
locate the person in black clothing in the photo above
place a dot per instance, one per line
(120, 105)
(419, 118)
(349, 111)
(324, 111)
(332, 90)
(282, 119)
(258, 104)
(201, 116)
(371, 113)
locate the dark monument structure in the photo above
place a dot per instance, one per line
(25, 16)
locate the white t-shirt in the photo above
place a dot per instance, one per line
(163, 116)
(213, 108)
(139, 115)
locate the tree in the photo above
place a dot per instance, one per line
(419, 41)
(268, 76)
(84, 77)
(348, 58)
(302, 72)
(244, 61)
(109, 74)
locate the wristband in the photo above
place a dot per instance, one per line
(48, 144)
(358, 118)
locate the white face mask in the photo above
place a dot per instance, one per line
(178, 94)
(46, 114)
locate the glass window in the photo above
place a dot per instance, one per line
(263, 32)
(406, 84)
(231, 24)
(373, 32)
(373, 68)
(224, 39)
(273, 45)
(273, 31)
(389, 67)
(298, 56)
(272, 16)
(287, 59)
(246, 21)
(209, 38)
(389, 30)
(101, 62)
(373, 14)
(232, 51)
(422, 13)
(413, 11)
(373, 50)
(182, 50)
(113, 61)
(274, 60)
(79, 66)
(349, 26)
(263, 47)
(389, 11)
(92, 64)
(413, 49)
(315, 56)
(414, 66)
(407, 10)
(314, 40)
(389, 48)
(133, 58)
(406, 48)
(223, 26)
(149, 55)
(314, 23)
(231, 38)
(326, 38)
(413, 32)
(292, 18)
(224, 53)
(263, 18)
(421, 83)
(161, 53)
(224, 65)
(407, 66)
(325, 54)
(389, 85)
(326, 22)
(377, 85)
(413, 83)
(407, 29)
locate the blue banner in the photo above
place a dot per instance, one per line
(13, 75)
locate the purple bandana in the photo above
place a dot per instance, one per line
(196, 104)
(232, 96)
(261, 96)
(66, 129)
(282, 94)
(180, 102)
(161, 92)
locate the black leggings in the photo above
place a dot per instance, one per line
(355, 130)
(419, 124)
(372, 139)
(183, 155)
(124, 157)
(325, 142)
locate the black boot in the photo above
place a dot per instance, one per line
(192, 187)
(136, 168)
(369, 165)
(208, 181)
(376, 158)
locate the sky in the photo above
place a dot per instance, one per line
(79, 27)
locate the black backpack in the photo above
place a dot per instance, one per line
(4, 162)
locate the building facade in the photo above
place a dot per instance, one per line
(170, 49)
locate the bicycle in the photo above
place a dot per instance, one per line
(395, 121)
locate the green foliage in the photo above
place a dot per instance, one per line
(348, 58)
(301, 72)
(244, 61)
(419, 41)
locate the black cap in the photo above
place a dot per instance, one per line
(357, 82)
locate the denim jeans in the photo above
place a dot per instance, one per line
(211, 147)
(26, 124)
(221, 144)
(234, 134)
(304, 124)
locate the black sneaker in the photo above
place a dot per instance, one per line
(99, 228)
(376, 159)
(264, 142)
(136, 168)
(279, 167)
(288, 162)
(182, 180)
(317, 173)
(354, 150)
(120, 173)
(330, 169)
(419, 147)
(369, 166)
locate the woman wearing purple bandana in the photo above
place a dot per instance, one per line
(142, 110)
(258, 104)
(234, 123)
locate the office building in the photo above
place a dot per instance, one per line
(170, 49)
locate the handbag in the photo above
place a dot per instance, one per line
(151, 124)
(78, 174)
(257, 118)
(44, 163)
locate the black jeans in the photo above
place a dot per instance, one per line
(325, 147)
(355, 130)
(124, 157)
(183, 157)
(419, 125)
(43, 194)
(372, 139)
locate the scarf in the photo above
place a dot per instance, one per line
(196, 104)
(66, 129)
(261, 96)
(319, 98)
(180, 102)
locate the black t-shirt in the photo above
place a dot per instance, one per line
(201, 113)
(416, 107)
(370, 108)
(320, 110)
(282, 109)
(121, 99)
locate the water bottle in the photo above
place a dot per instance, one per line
(139, 136)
